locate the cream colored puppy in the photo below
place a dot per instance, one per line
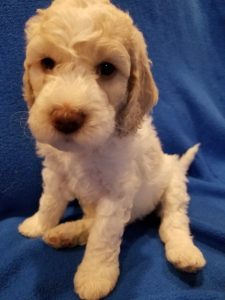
(89, 90)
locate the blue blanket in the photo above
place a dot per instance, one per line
(186, 42)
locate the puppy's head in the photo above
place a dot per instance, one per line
(87, 74)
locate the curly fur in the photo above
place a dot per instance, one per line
(114, 163)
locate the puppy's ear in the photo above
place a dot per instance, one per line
(32, 26)
(142, 91)
(27, 88)
(105, 1)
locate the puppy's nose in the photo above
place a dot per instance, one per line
(67, 121)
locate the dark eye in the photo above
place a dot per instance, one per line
(47, 63)
(106, 69)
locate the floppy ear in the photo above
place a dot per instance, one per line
(27, 88)
(31, 27)
(105, 1)
(142, 91)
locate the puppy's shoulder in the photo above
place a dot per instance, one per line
(52, 157)
(147, 135)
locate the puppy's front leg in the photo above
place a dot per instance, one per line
(99, 270)
(52, 205)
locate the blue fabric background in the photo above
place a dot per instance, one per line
(186, 41)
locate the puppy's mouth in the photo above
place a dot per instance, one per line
(67, 129)
(64, 143)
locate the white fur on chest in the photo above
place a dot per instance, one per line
(122, 163)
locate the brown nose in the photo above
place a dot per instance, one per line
(67, 121)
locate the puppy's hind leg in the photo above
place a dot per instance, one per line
(73, 233)
(174, 228)
(69, 234)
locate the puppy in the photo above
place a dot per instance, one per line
(89, 90)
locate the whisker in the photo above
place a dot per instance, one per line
(20, 118)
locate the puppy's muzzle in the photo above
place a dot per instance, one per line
(67, 121)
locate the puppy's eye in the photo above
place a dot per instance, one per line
(106, 69)
(48, 63)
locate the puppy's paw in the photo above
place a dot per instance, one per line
(58, 239)
(185, 257)
(31, 227)
(94, 282)
(67, 235)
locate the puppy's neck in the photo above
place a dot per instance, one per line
(115, 146)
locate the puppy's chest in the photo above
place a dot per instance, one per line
(87, 179)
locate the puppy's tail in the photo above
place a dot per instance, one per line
(187, 158)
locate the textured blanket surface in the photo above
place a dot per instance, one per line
(186, 42)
